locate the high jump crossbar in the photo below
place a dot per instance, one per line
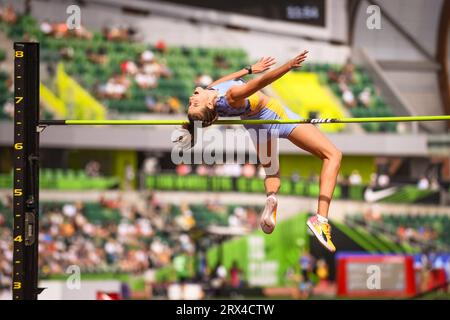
(250, 122)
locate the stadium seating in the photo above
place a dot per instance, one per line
(424, 231)
(305, 91)
(58, 179)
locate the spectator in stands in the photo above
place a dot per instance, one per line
(146, 56)
(235, 275)
(202, 170)
(46, 27)
(98, 57)
(128, 67)
(383, 180)
(322, 270)
(183, 169)
(118, 33)
(423, 183)
(60, 30)
(150, 103)
(203, 80)
(306, 264)
(174, 104)
(92, 168)
(146, 80)
(248, 170)
(365, 97)
(221, 62)
(82, 33)
(348, 97)
(8, 109)
(347, 74)
(232, 170)
(8, 15)
(161, 46)
(116, 87)
(67, 53)
(355, 178)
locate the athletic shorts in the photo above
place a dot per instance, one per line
(273, 111)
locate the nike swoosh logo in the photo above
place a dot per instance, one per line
(374, 196)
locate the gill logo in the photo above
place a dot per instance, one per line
(321, 120)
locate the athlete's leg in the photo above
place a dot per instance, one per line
(312, 140)
(309, 138)
(268, 157)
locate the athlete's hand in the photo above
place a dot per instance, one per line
(297, 61)
(263, 64)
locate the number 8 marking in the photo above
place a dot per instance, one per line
(19, 54)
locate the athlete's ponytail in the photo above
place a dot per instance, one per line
(186, 136)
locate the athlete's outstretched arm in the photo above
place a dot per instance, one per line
(238, 93)
(262, 65)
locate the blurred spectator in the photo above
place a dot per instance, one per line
(183, 169)
(174, 104)
(128, 67)
(8, 14)
(306, 264)
(221, 62)
(423, 183)
(203, 80)
(46, 28)
(145, 80)
(8, 109)
(365, 97)
(235, 275)
(98, 57)
(161, 46)
(383, 180)
(347, 74)
(67, 53)
(232, 169)
(118, 33)
(348, 97)
(355, 178)
(115, 88)
(92, 168)
(202, 170)
(147, 56)
(322, 270)
(248, 170)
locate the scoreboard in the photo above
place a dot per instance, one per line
(300, 11)
(375, 275)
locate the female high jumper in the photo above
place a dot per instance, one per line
(231, 96)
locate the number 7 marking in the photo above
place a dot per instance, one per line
(18, 99)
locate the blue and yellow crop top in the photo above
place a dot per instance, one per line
(223, 107)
